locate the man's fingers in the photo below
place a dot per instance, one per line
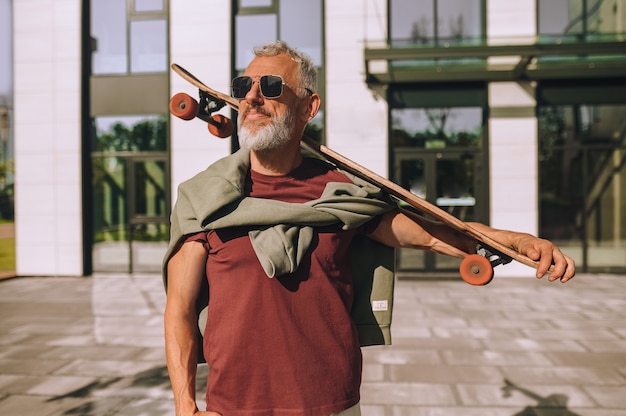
(545, 255)
(570, 270)
(564, 267)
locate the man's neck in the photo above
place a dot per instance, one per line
(275, 162)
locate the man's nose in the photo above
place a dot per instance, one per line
(255, 92)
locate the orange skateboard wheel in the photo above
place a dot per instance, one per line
(476, 270)
(221, 126)
(184, 106)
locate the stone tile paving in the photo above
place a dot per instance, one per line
(94, 347)
(514, 347)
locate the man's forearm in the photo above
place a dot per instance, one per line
(444, 239)
(181, 353)
(185, 276)
(508, 238)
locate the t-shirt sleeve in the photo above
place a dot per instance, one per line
(200, 237)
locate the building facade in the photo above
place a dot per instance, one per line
(508, 113)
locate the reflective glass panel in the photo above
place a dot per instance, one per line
(582, 177)
(149, 5)
(412, 22)
(437, 128)
(148, 46)
(459, 22)
(255, 3)
(301, 26)
(149, 183)
(253, 30)
(435, 22)
(606, 17)
(129, 191)
(560, 17)
(455, 187)
(130, 133)
(568, 20)
(110, 231)
(108, 28)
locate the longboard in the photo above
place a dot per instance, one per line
(475, 269)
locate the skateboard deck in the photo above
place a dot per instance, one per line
(475, 269)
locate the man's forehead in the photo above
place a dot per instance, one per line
(277, 65)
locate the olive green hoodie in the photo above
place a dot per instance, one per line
(214, 199)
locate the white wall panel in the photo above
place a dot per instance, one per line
(356, 121)
(513, 179)
(511, 20)
(512, 137)
(47, 137)
(200, 42)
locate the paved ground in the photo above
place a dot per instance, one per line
(93, 347)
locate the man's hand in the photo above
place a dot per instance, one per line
(547, 254)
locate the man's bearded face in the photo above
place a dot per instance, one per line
(268, 136)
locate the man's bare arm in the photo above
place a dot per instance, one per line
(538, 249)
(407, 230)
(186, 271)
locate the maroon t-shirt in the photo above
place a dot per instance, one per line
(286, 345)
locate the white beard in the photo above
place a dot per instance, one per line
(268, 137)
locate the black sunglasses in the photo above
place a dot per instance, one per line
(271, 86)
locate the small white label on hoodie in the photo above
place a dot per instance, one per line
(380, 305)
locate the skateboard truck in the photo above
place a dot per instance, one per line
(208, 105)
(184, 106)
(495, 258)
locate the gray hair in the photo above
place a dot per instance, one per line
(307, 75)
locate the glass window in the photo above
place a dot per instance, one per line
(108, 28)
(253, 30)
(560, 17)
(567, 18)
(130, 133)
(435, 22)
(458, 21)
(110, 200)
(149, 6)
(582, 169)
(301, 26)
(437, 128)
(148, 43)
(411, 25)
(255, 3)
(149, 178)
(127, 43)
(607, 17)
(129, 192)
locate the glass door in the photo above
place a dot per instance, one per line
(452, 180)
(148, 221)
(129, 194)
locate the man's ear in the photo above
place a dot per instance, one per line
(312, 107)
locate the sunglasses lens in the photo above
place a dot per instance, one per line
(271, 86)
(241, 86)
